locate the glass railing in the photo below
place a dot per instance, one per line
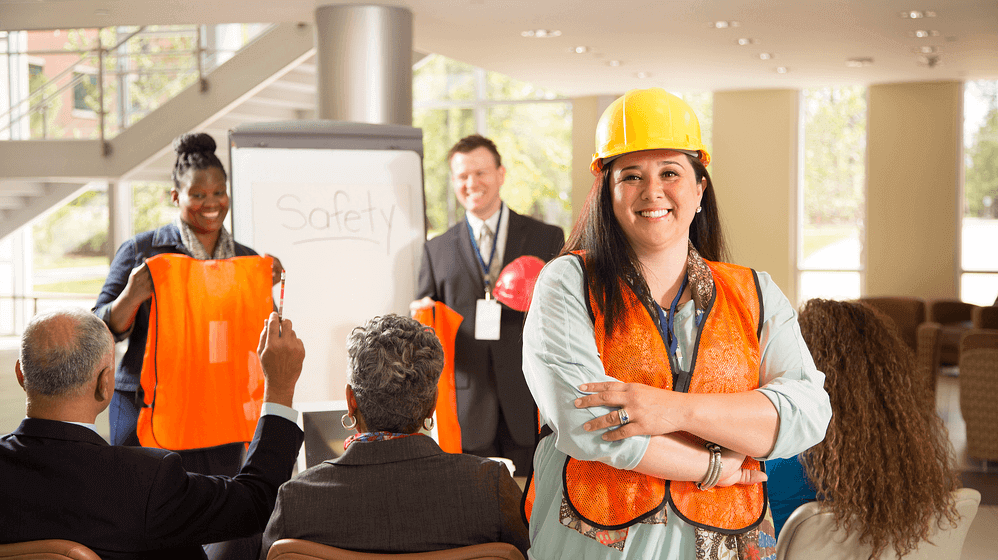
(94, 83)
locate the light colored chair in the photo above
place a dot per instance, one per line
(53, 549)
(908, 316)
(954, 318)
(810, 533)
(296, 549)
(985, 317)
(978, 391)
(906, 313)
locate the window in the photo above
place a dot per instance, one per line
(979, 228)
(152, 206)
(832, 201)
(84, 91)
(34, 71)
(71, 250)
(532, 127)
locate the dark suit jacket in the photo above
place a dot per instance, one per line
(400, 495)
(63, 481)
(451, 273)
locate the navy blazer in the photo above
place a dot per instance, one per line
(400, 495)
(451, 273)
(131, 254)
(63, 481)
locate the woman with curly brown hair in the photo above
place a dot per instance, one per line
(885, 466)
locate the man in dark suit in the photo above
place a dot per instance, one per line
(63, 481)
(494, 405)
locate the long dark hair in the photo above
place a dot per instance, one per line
(885, 467)
(609, 257)
(195, 150)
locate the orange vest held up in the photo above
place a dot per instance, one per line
(445, 322)
(201, 375)
(725, 360)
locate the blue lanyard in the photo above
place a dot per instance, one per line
(486, 267)
(671, 338)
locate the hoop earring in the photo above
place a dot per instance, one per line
(430, 427)
(343, 420)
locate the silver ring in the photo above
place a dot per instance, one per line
(623, 416)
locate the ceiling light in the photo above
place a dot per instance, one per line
(581, 49)
(541, 33)
(929, 60)
(723, 24)
(922, 33)
(746, 41)
(782, 70)
(916, 14)
(642, 75)
(859, 62)
(765, 56)
(925, 49)
(102, 12)
(613, 63)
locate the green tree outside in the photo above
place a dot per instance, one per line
(533, 138)
(981, 179)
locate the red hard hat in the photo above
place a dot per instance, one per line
(515, 284)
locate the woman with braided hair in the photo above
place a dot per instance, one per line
(199, 191)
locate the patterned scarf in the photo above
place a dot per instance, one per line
(225, 247)
(374, 436)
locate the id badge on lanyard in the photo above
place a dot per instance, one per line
(487, 318)
(488, 312)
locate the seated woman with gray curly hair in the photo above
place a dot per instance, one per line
(394, 490)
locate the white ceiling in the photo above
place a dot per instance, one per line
(670, 40)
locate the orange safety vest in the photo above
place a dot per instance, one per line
(725, 360)
(445, 322)
(201, 375)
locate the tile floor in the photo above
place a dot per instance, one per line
(983, 535)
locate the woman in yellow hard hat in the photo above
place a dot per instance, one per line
(663, 372)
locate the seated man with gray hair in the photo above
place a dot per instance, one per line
(63, 481)
(394, 490)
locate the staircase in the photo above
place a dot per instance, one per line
(271, 79)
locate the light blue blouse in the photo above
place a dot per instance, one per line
(559, 354)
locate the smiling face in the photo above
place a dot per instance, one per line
(477, 180)
(203, 200)
(655, 197)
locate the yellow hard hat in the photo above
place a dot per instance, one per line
(647, 119)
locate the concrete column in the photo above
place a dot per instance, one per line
(754, 168)
(364, 56)
(913, 196)
(119, 198)
(586, 112)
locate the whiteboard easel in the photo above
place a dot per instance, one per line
(341, 204)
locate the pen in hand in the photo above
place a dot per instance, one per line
(280, 307)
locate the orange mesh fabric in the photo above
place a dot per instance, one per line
(445, 322)
(201, 375)
(727, 361)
